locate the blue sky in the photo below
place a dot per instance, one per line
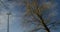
(17, 11)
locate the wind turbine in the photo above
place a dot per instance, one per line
(8, 14)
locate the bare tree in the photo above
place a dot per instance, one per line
(34, 10)
(37, 11)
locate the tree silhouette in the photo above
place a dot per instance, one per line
(35, 10)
